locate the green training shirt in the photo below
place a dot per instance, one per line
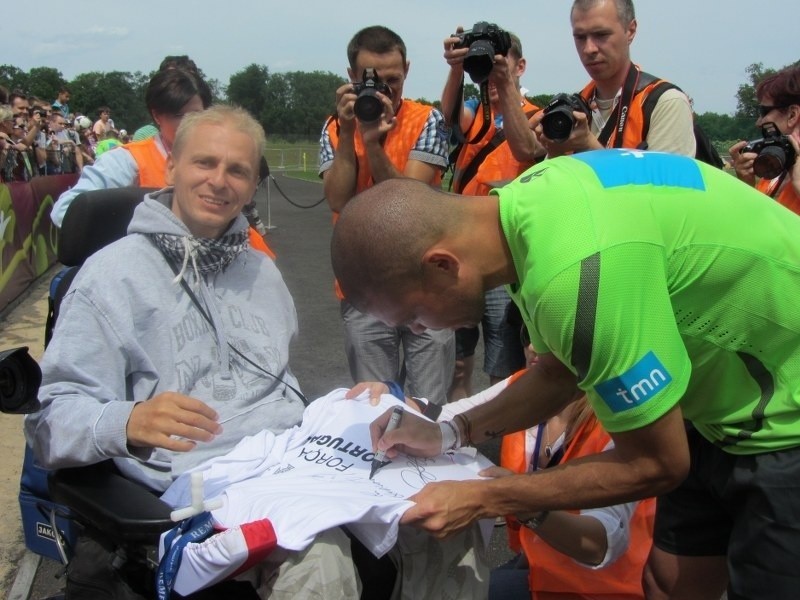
(658, 280)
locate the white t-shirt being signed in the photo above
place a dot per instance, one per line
(316, 476)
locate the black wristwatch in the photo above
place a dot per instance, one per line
(536, 521)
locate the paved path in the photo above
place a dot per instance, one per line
(301, 240)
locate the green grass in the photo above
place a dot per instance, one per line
(294, 159)
(300, 174)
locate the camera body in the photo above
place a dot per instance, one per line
(558, 120)
(775, 152)
(484, 40)
(368, 107)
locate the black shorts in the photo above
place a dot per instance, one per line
(745, 507)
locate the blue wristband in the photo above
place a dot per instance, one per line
(395, 390)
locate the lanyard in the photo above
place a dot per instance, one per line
(557, 455)
(193, 530)
(616, 123)
(537, 448)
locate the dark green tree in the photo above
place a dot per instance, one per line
(248, 88)
(44, 82)
(297, 103)
(540, 100)
(121, 91)
(13, 78)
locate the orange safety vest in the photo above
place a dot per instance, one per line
(551, 572)
(636, 124)
(152, 166)
(411, 119)
(787, 195)
(150, 161)
(497, 168)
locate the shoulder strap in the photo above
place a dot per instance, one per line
(650, 102)
(472, 168)
(635, 81)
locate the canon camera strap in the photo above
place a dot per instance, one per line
(619, 118)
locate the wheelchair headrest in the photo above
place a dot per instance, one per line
(95, 219)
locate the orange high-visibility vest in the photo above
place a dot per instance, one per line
(553, 573)
(497, 168)
(787, 195)
(637, 123)
(411, 119)
(152, 166)
(151, 162)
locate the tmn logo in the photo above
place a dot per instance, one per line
(45, 531)
(636, 386)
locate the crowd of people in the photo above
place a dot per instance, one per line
(641, 342)
(41, 137)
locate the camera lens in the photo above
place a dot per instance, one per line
(479, 61)
(368, 107)
(770, 162)
(558, 123)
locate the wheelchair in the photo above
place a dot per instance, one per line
(126, 518)
(122, 516)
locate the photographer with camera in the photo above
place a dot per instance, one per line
(63, 153)
(770, 163)
(377, 135)
(494, 151)
(622, 107)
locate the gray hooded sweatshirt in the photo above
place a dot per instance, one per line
(127, 332)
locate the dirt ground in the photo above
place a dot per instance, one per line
(22, 325)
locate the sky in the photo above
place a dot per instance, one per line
(702, 46)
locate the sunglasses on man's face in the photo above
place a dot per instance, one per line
(764, 110)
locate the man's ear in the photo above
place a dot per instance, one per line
(440, 265)
(521, 66)
(631, 31)
(169, 174)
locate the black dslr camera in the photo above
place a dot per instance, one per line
(775, 152)
(368, 107)
(558, 120)
(20, 378)
(484, 41)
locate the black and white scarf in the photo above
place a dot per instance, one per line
(207, 256)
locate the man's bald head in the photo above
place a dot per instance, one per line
(383, 233)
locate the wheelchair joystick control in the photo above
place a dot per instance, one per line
(198, 505)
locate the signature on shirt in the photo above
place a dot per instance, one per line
(417, 476)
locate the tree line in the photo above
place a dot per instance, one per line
(294, 105)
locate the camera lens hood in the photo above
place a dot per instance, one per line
(479, 61)
(770, 162)
(368, 107)
(20, 378)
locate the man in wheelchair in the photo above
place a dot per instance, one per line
(172, 343)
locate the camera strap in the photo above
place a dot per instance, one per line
(455, 118)
(778, 185)
(471, 169)
(619, 117)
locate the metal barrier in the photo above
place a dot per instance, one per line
(300, 158)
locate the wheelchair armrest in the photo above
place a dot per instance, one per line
(100, 497)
